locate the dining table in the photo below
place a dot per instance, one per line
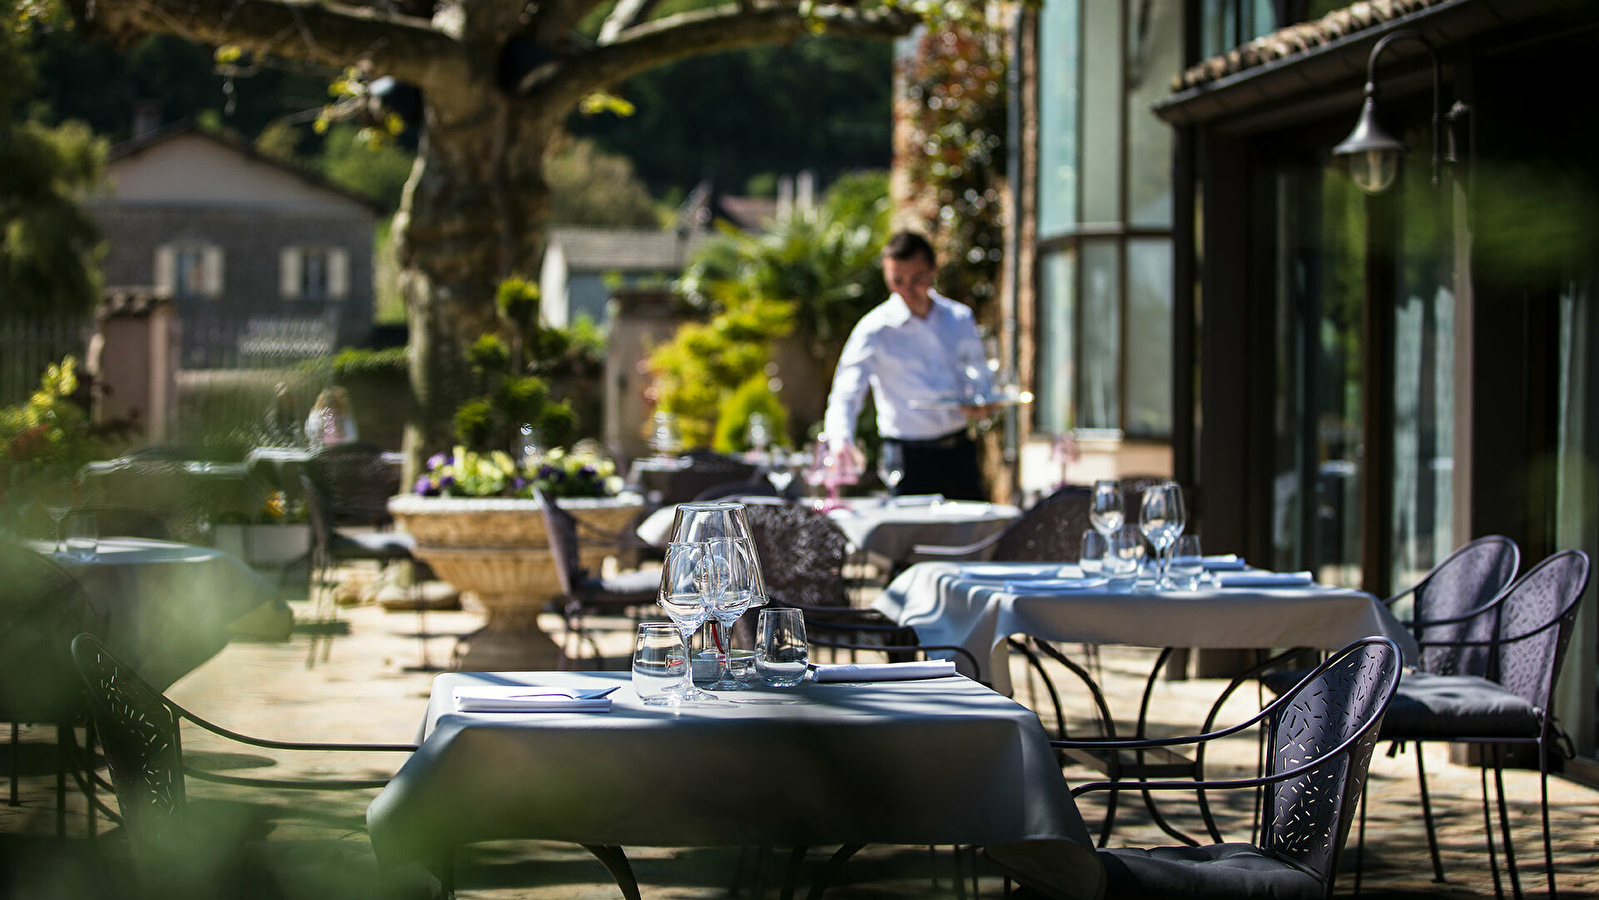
(165, 608)
(890, 528)
(979, 605)
(834, 764)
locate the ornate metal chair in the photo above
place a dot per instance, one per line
(1524, 633)
(1051, 530)
(176, 849)
(1320, 736)
(42, 608)
(706, 469)
(587, 592)
(802, 560)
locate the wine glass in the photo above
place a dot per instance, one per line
(759, 434)
(781, 473)
(666, 439)
(689, 576)
(1106, 507)
(709, 521)
(743, 588)
(891, 466)
(1161, 519)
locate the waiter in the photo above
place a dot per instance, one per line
(917, 345)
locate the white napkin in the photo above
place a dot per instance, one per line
(530, 698)
(1226, 563)
(1052, 585)
(906, 671)
(917, 500)
(1264, 579)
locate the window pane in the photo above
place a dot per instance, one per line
(1149, 347)
(314, 274)
(1102, 109)
(1098, 389)
(1053, 374)
(1057, 117)
(1424, 380)
(190, 280)
(1154, 55)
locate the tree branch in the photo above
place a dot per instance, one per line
(624, 15)
(655, 43)
(408, 48)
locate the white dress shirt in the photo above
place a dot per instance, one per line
(904, 358)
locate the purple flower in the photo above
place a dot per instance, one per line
(546, 471)
(588, 471)
(518, 483)
(437, 460)
(424, 487)
(446, 482)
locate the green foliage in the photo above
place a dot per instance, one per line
(354, 363)
(589, 186)
(372, 170)
(44, 441)
(50, 251)
(955, 110)
(733, 420)
(705, 363)
(488, 355)
(517, 301)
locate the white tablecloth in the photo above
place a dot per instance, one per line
(941, 761)
(885, 528)
(167, 606)
(977, 606)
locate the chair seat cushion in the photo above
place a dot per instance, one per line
(380, 545)
(1434, 707)
(1234, 871)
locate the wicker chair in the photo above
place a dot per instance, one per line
(42, 608)
(1525, 632)
(802, 560)
(1320, 739)
(177, 849)
(586, 592)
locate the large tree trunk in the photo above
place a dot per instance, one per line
(474, 213)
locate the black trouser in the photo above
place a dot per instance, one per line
(946, 465)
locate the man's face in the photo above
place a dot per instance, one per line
(911, 279)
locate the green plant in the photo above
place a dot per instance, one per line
(558, 473)
(733, 419)
(44, 441)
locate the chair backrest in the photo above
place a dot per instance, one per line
(41, 608)
(1306, 818)
(1468, 579)
(352, 483)
(759, 487)
(1051, 530)
(560, 527)
(161, 487)
(1133, 487)
(706, 469)
(114, 520)
(802, 554)
(1534, 627)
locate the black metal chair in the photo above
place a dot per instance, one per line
(706, 469)
(1320, 738)
(585, 593)
(802, 556)
(1051, 530)
(1524, 633)
(42, 608)
(179, 851)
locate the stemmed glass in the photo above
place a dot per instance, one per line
(1161, 518)
(891, 466)
(742, 589)
(1105, 510)
(780, 474)
(687, 577)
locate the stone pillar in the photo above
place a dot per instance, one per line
(134, 357)
(639, 320)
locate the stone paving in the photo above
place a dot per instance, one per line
(368, 690)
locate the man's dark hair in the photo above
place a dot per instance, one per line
(907, 245)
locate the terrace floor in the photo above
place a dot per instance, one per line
(367, 691)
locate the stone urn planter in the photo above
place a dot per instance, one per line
(497, 549)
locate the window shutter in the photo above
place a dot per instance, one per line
(211, 271)
(289, 273)
(338, 273)
(166, 265)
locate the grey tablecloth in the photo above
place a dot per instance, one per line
(972, 606)
(943, 761)
(168, 606)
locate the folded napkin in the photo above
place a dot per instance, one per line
(1264, 579)
(530, 698)
(907, 671)
(1226, 563)
(1052, 585)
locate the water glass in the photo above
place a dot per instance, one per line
(1095, 546)
(83, 537)
(1124, 553)
(659, 660)
(1105, 510)
(781, 651)
(891, 466)
(1187, 563)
